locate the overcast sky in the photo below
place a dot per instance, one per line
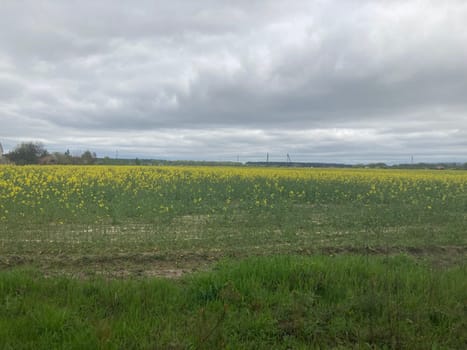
(339, 81)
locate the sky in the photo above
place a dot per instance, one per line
(328, 81)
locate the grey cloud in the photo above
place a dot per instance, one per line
(233, 72)
(9, 88)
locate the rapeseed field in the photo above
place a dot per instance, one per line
(273, 258)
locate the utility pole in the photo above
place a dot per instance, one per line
(267, 157)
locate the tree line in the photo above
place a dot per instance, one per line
(35, 153)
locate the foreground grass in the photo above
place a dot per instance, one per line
(264, 302)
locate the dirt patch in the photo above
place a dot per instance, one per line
(112, 265)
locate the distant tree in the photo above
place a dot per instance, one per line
(88, 157)
(27, 153)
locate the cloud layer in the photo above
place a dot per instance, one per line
(322, 80)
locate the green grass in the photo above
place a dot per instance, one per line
(277, 302)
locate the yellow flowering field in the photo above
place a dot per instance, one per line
(97, 193)
(211, 212)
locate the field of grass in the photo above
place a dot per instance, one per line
(273, 258)
(260, 303)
